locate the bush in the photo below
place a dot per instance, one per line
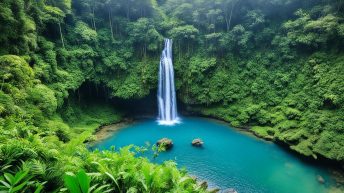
(44, 98)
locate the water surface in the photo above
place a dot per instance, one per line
(229, 159)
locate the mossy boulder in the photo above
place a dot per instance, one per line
(165, 143)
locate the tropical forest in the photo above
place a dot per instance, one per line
(172, 96)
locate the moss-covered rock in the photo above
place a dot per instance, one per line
(165, 143)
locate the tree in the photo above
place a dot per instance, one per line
(183, 12)
(87, 34)
(15, 71)
(18, 30)
(228, 7)
(54, 15)
(55, 12)
(186, 33)
(143, 33)
(44, 98)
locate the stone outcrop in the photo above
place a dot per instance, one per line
(197, 142)
(165, 142)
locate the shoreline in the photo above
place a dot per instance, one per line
(106, 131)
(246, 129)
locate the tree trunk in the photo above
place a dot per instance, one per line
(227, 23)
(97, 91)
(61, 36)
(231, 14)
(110, 21)
(179, 50)
(3, 82)
(214, 26)
(116, 28)
(128, 10)
(79, 98)
(340, 4)
(93, 18)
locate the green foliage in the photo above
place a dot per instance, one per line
(44, 98)
(85, 33)
(274, 66)
(53, 13)
(20, 182)
(86, 116)
(139, 174)
(18, 29)
(143, 33)
(311, 32)
(80, 183)
(264, 132)
(15, 71)
(187, 32)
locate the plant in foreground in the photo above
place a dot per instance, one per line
(19, 182)
(81, 183)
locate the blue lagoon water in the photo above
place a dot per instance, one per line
(229, 158)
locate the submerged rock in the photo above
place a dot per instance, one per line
(320, 179)
(165, 142)
(230, 190)
(215, 190)
(197, 142)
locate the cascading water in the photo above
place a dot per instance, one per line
(166, 90)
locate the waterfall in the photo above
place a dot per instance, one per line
(166, 89)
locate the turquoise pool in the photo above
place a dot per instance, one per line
(229, 158)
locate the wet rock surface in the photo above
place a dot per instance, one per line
(165, 142)
(197, 142)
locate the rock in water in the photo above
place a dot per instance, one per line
(215, 190)
(321, 180)
(165, 142)
(230, 190)
(197, 142)
(204, 185)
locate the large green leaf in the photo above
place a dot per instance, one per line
(84, 181)
(72, 183)
(19, 176)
